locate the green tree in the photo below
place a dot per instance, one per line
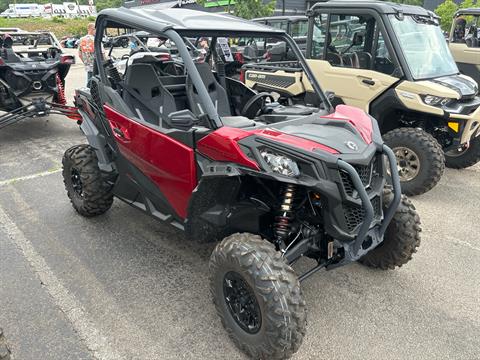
(106, 4)
(445, 11)
(468, 4)
(409, 2)
(249, 9)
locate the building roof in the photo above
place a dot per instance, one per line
(383, 7)
(180, 19)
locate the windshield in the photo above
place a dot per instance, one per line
(299, 28)
(424, 47)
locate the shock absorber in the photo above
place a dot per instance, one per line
(284, 218)
(61, 91)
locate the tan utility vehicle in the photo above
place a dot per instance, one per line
(464, 42)
(392, 61)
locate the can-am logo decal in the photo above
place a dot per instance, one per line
(351, 145)
(255, 76)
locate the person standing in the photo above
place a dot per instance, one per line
(86, 50)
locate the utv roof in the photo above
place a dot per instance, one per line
(382, 7)
(25, 33)
(282, 17)
(469, 11)
(182, 20)
(7, 29)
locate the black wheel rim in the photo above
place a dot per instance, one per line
(76, 182)
(242, 303)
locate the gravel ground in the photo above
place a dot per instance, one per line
(125, 286)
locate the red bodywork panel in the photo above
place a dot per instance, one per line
(171, 165)
(167, 162)
(221, 145)
(357, 117)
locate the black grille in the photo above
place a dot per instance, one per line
(365, 173)
(354, 215)
(347, 182)
(272, 80)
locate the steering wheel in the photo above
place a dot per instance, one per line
(254, 106)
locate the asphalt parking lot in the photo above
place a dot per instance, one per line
(123, 286)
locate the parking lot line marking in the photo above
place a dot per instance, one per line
(68, 304)
(29, 177)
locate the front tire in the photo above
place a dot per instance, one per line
(420, 159)
(258, 297)
(401, 239)
(4, 350)
(462, 159)
(86, 188)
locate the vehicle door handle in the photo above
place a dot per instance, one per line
(369, 82)
(119, 132)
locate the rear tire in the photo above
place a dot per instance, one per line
(401, 239)
(269, 294)
(467, 158)
(86, 188)
(428, 164)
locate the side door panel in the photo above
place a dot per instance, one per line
(356, 87)
(169, 164)
(336, 38)
(462, 53)
(467, 59)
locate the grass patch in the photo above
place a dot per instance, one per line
(59, 26)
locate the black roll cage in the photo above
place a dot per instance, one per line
(177, 37)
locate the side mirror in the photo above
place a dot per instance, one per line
(183, 119)
(330, 95)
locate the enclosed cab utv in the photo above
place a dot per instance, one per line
(392, 61)
(296, 26)
(464, 42)
(271, 180)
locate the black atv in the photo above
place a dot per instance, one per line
(271, 181)
(32, 77)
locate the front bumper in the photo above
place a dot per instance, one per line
(368, 238)
(469, 126)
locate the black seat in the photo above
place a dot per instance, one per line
(146, 95)
(217, 93)
(8, 54)
(362, 60)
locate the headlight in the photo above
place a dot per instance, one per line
(435, 100)
(280, 164)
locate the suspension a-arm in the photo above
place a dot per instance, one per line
(38, 108)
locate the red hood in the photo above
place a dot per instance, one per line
(355, 116)
(222, 144)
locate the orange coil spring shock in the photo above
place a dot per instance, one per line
(61, 91)
(283, 220)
